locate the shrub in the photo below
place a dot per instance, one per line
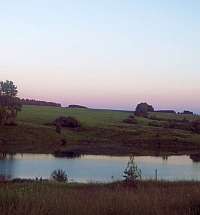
(131, 120)
(67, 122)
(59, 175)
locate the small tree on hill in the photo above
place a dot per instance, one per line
(9, 103)
(142, 109)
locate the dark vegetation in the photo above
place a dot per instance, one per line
(76, 106)
(130, 120)
(166, 111)
(183, 124)
(59, 175)
(38, 102)
(149, 197)
(142, 109)
(9, 104)
(63, 121)
(187, 112)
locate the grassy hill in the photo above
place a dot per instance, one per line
(103, 132)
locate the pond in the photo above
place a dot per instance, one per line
(87, 168)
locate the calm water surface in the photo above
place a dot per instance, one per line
(97, 168)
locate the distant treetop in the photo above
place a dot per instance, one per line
(144, 107)
(76, 106)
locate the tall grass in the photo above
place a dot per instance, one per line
(149, 197)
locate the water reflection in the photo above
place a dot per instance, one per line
(96, 168)
(195, 158)
(66, 154)
(6, 167)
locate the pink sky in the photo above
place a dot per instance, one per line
(103, 54)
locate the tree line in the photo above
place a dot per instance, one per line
(38, 102)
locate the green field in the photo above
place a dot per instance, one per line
(103, 132)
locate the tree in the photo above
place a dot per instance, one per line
(59, 175)
(145, 107)
(132, 173)
(9, 104)
(142, 109)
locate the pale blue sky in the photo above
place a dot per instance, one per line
(103, 54)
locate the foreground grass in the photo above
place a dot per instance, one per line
(149, 197)
(103, 132)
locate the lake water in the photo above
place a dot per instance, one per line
(89, 168)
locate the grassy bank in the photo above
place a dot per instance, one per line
(149, 197)
(103, 132)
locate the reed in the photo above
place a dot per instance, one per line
(149, 197)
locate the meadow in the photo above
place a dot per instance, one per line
(148, 197)
(103, 132)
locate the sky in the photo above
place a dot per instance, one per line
(109, 54)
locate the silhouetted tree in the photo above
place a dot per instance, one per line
(145, 107)
(9, 103)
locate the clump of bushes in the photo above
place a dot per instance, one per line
(63, 121)
(70, 121)
(131, 120)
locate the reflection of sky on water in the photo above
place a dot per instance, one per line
(172, 167)
(97, 168)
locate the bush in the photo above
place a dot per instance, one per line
(131, 120)
(67, 122)
(59, 175)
